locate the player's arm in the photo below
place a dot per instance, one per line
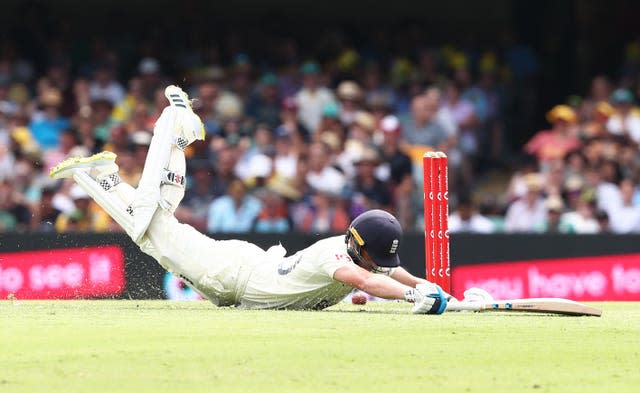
(427, 298)
(374, 284)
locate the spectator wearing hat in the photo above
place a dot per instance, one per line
(599, 91)
(368, 192)
(525, 213)
(46, 127)
(264, 105)
(330, 121)
(86, 216)
(556, 143)
(554, 222)
(285, 160)
(583, 219)
(312, 97)
(274, 216)
(395, 164)
(626, 118)
(597, 125)
(350, 96)
(234, 212)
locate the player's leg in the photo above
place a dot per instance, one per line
(162, 181)
(98, 176)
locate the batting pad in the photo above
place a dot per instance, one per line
(147, 195)
(113, 202)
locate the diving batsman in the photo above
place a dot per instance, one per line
(234, 272)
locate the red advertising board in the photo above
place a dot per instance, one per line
(62, 273)
(611, 277)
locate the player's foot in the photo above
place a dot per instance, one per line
(189, 126)
(65, 169)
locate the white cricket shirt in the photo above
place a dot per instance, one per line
(301, 281)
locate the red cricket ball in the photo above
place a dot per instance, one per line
(359, 298)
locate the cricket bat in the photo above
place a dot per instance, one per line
(533, 305)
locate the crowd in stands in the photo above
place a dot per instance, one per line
(308, 145)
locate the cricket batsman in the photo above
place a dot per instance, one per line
(239, 273)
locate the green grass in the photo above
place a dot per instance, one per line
(158, 346)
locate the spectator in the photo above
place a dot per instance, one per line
(86, 217)
(525, 213)
(396, 165)
(554, 222)
(324, 214)
(104, 86)
(101, 116)
(465, 117)
(350, 97)
(423, 128)
(556, 143)
(289, 118)
(47, 125)
(466, 219)
(235, 211)
(134, 95)
(264, 107)
(625, 216)
(274, 216)
(313, 97)
(15, 215)
(45, 214)
(321, 175)
(285, 160)
(368, 192)
(583, 218)
(604, 223)
(625, 120)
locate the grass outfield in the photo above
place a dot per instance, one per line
(160, 346)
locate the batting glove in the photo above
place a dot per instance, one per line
(477, 295)
(427, 299)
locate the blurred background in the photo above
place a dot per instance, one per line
(318, 110)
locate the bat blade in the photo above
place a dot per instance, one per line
(543, 305)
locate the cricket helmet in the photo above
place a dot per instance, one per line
(377, 232)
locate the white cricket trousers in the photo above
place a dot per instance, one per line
(217, 269)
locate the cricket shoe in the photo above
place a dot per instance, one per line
(101, 167)
(189, 127)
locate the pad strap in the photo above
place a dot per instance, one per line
(173, 178)
(110, 181)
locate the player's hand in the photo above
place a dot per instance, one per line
(427, 299)
(478, 295)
